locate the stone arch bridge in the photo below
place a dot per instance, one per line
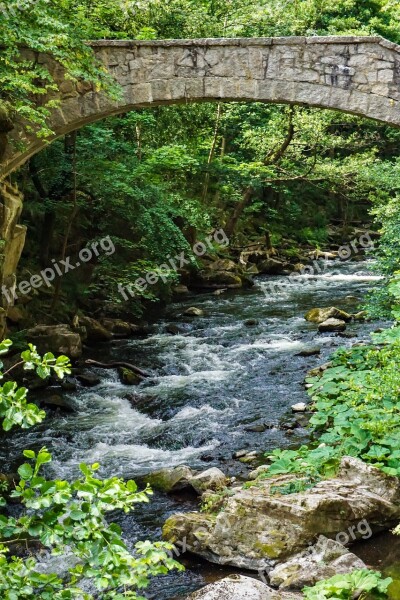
(358, 75)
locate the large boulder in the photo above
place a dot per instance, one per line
(170, 479)
(222, 264)
(319, 315)
(323, 560)
(117, 327)
(212, 279)
(271, 266)
(58, 339)
(212, 479)
(96, 332)
(257, 529)
(239, 587)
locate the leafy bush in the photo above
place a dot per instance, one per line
(361, 583)
(356, 406)
(68, 518)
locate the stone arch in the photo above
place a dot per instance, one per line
(358, 75)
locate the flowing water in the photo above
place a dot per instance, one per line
(210, 383)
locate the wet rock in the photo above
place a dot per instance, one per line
(212, 479)
(239, 453)
(320, 561)
(180, 290)
(88, 379)
(223, 264)
(251, 322)
(260, 428)
(219, 292)
(217, 279)
(346, 335)
(173, 329)
(319, 315)
(299, 407)
(128, 377)
(319, 370)
(117, 327)
(302, 419)
(257, 530)
(239, 587)
(360, 316)
(331, 325)
(95, 331)
(170, 480)
(271, 266)
(250, 457)
(311, 351)
(58, 339)
(55, 401)
(68, 384)
(193, 311)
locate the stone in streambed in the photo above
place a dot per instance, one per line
(212, 479)
(88, 379)
(319, 315)
(299, 407)
(193, 311)
(251, 322)
(239, 587)
(323, 560)
(95, 331)
(331, 325)
(310, 351)
(128, 377)
(170, 480)
(58, 339)
(257, 529)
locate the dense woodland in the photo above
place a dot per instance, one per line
(156, 181)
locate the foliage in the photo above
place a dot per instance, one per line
(361, 583)
(14, 408)
(356, 403)
(68, 518)
(42, 26)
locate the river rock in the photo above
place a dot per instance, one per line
(180, 290)
(320, 561)
(212, 479)
(251, 322)
(193, 311)
(95, 331)
(271, 266)
(128, 377)
(299, 407)
(310, 351)
(58, 339)
(319, 315)
(88, 379)
(56, 402)
(239, 587)
(170, 480)
(217, 279)
(257, 530)
(223, 264)
(332, 325)
(118, 327)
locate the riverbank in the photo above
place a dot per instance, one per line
(213, 386)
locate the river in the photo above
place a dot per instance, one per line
(211, 383)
